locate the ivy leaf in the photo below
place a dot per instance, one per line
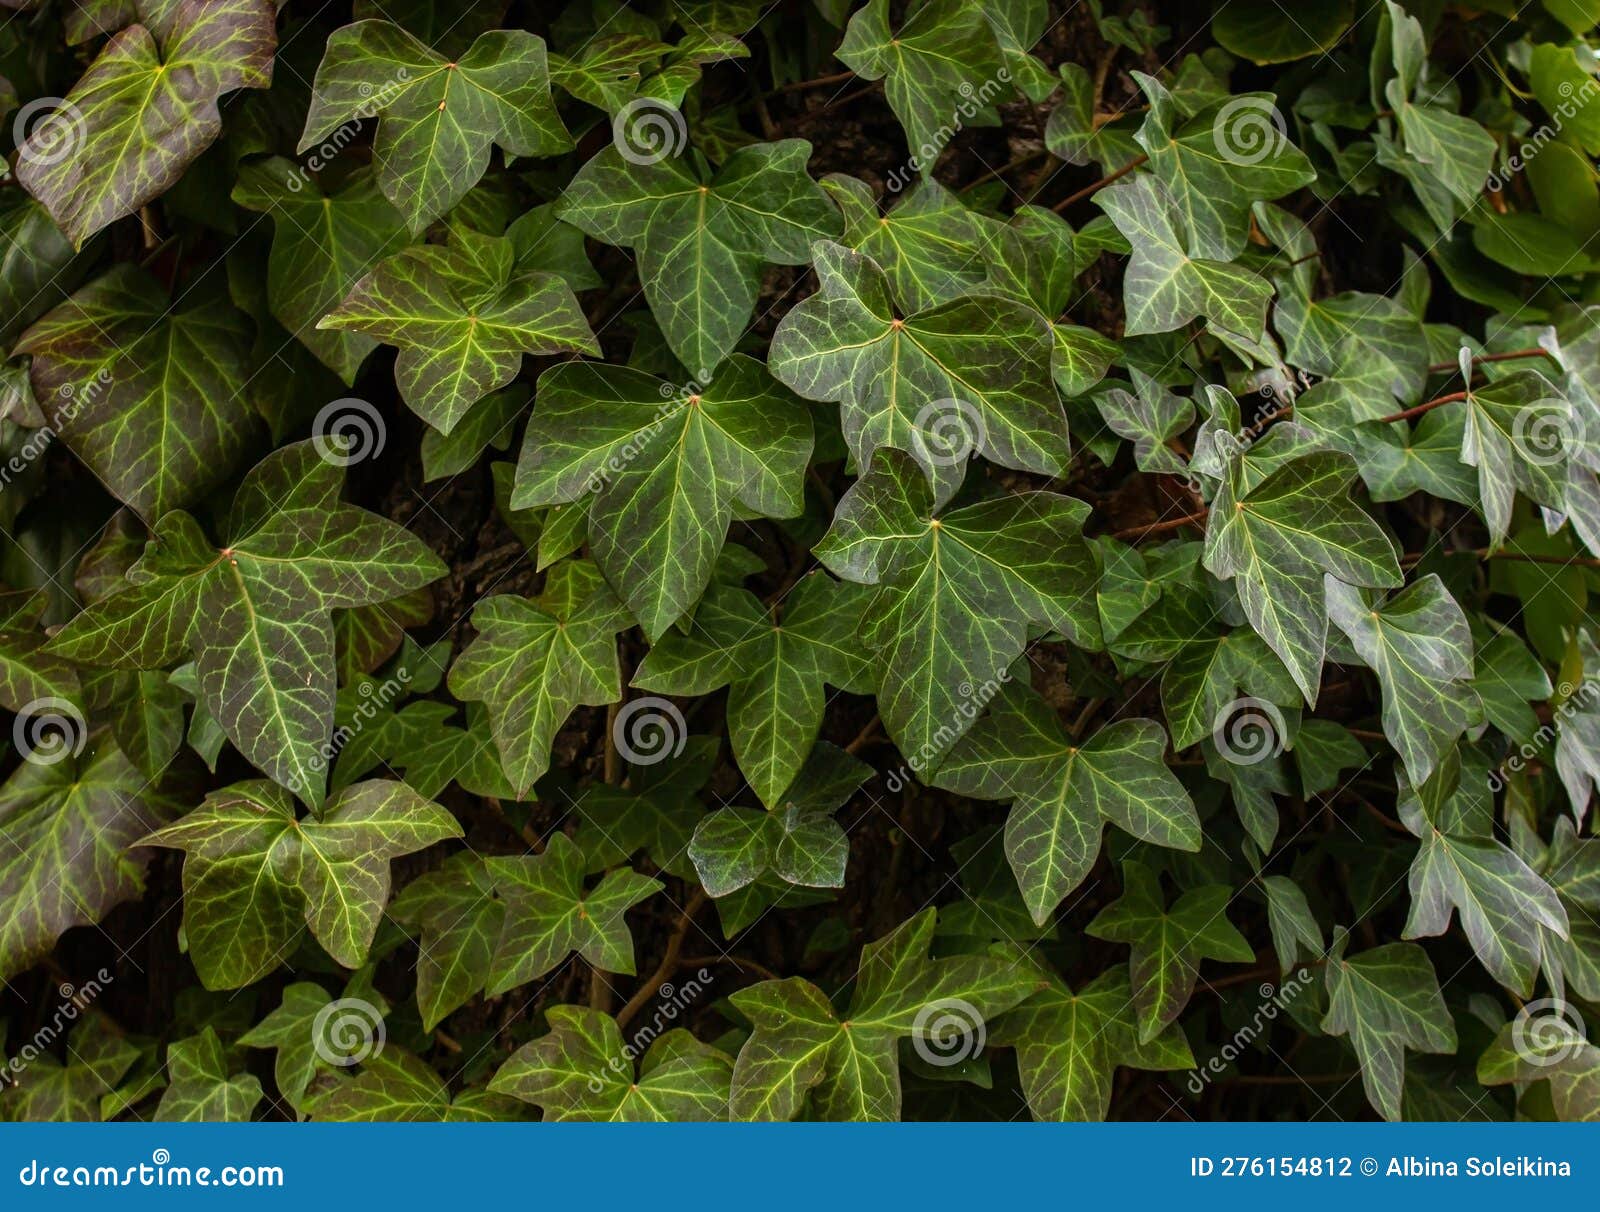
(323, 242)
(776, 669)
(28, 674)
(582, 1071)
(933, 68)
(930, 246)
(438, 117)
(97, 1059)
(535, 661)
(1279, 538)
(462, 318)
(1069, 1046)
(1064, 793)
(666, 467)
(1207, 665)
(549, 914)
(1149, 419)
(69, 827)
(1454, 151)
(1386, 1000)
(1164, 287)
(1295, 932)
(396, 1087)
(732, 848)
(292, 1031)
(460, 919)
(956, 594)
(1219, 162)
(1419, 645)
(200, 1090)
(254, 876)
(149, 397)
(971, 377)
(145, 109)
(1167, 943)
(1505, 906)
(702, 242)
(1519, 431)
(849, 1067)
(265, 649)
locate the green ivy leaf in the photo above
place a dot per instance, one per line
(1069, 1046)
(438, 117)
(149, 397)
(69, 822)
(702, 242)
(1165, 287)
(254, 876)
(1419, 645)
(549, 914)
(265, 651)
(323, 243)
(462, 318)
(848, 1067)
(1064, 793)
(970, 377)
(956, 594)
(1279, 538)
(1218, 162)
(460, 918)
(145, 109)
(940, 69)
(200, 1090)
(536, 660)
(666, 467)
(583, 1071)
(776, 667)
(1386, 1000)
(1168, 943)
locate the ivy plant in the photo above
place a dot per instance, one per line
(822, 560)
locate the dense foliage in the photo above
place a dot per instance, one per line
(608, 561)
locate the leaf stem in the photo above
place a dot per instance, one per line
(1139, 532)
(1100, 184)
(1510, 356)
(1419, 409)
(669, 961)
